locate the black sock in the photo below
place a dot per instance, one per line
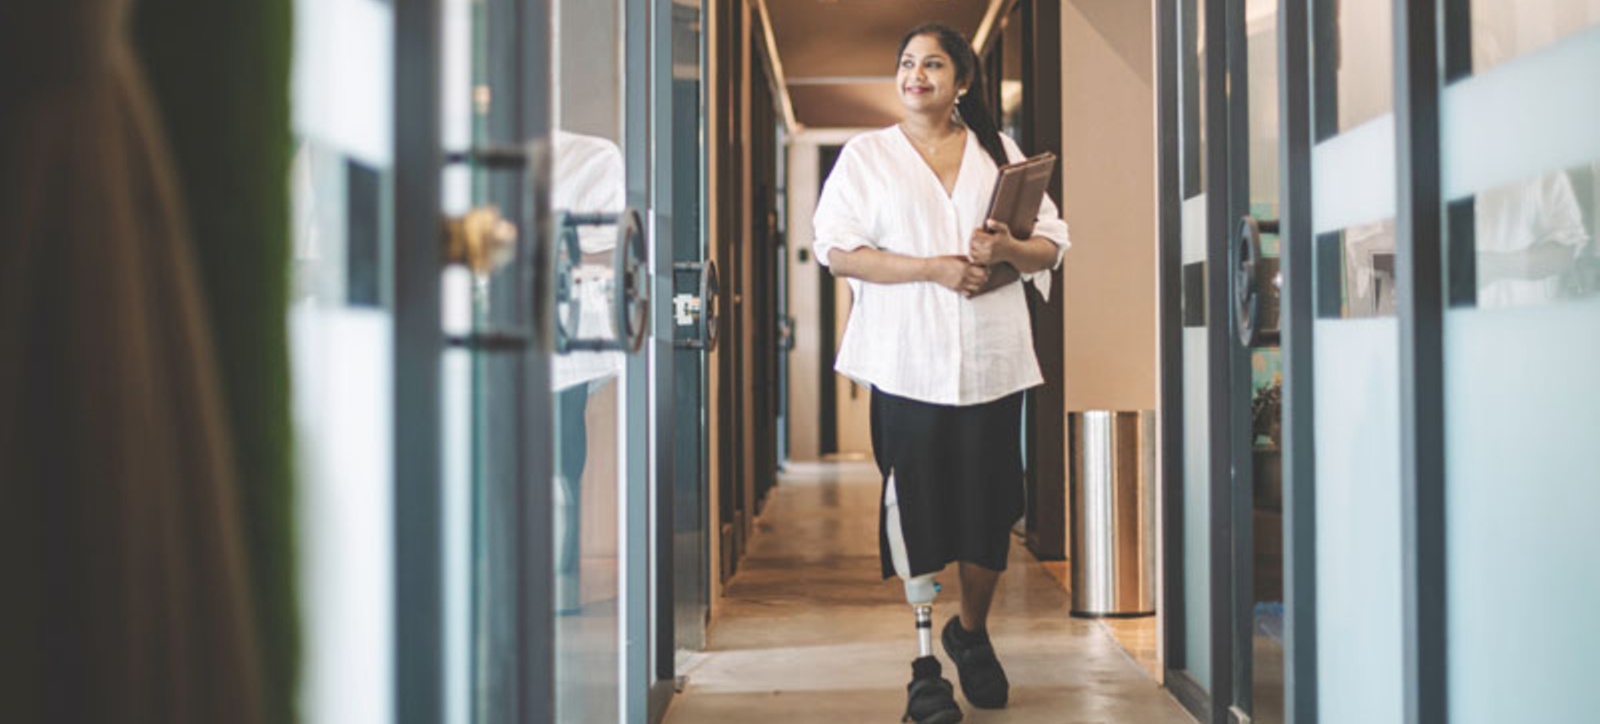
(925, 667)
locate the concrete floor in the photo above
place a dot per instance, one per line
(809, 633)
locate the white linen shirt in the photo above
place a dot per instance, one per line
(921, 340)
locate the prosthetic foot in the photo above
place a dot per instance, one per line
(930, 699)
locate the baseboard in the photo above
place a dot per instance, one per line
(661, 694)
(1189, 693)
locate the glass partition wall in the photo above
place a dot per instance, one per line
(1520, 157)
(1378, 507)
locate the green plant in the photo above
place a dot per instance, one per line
(1266, 413)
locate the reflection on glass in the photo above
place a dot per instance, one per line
(1364, 60)
(1369, 271)
(1011, 41)
(587, 178)
(1505, 29)
(1532, 245)
(587, 190)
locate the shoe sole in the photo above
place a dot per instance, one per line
(943, 717)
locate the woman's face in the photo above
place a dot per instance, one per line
(927, 77)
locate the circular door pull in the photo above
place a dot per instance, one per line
(631, 285)
(1246, 253)
(699, 309)
(710, 301)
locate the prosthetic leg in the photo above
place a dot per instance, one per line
(929, 697)
(920, 590)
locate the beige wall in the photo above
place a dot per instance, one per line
(1109, 190)
(803, 362)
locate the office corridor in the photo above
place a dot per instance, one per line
(807, 632)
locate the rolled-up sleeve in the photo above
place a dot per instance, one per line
(839, 222)
(1047, 224)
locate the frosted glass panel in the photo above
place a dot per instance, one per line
(340, 333)
(1522, 396)
(344, 511)
(1196, 507)
(1358, 520)
(1523, 118)
(1352, 177)
(1522, 392)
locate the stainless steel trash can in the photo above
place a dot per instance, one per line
(1112, 475)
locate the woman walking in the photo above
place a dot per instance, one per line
(940, 331)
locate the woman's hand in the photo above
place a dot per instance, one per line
(991, 245)
(958, 274)
(999, 275)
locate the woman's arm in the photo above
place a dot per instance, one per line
(1540, 261)
(885, 267)
(1027, 255)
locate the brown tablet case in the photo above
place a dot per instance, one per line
(1019, 191)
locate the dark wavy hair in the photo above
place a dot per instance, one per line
(974, 111)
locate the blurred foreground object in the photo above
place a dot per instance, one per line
(129, 593)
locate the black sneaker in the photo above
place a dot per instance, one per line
(982, 679)
(929, 697)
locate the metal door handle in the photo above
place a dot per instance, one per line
(1246, 253)
(701, 311)
(485, 241)
(480, 239)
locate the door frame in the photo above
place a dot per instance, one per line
(418, 344)
(1044, 424)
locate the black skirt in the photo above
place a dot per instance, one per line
(958, 479)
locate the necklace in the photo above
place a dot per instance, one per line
(932, 149)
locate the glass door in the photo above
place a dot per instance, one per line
(694, 305)
(601, 310)
(1186, 330)
(1521, 356)
(498, 438)
(1354, 342)
(1226, 616)
(545, 302)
